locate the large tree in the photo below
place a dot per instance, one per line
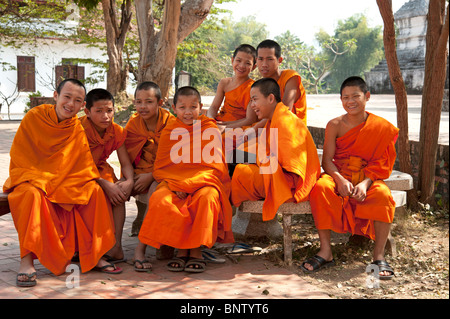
(117, 18)
(158, 44)
(433, 91)
(398, 85)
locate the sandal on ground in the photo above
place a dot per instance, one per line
(208, 256)
(179, 261)
(240, 248)
(195, 265)
(384, 266)
(104, 269)
(317, 263)
(142, 262)
(30, 282)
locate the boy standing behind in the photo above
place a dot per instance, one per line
(358, 153)
(291, 88)
(143, 132)
(287, 164)
(104, 137)
(190, 207)
(236, 91)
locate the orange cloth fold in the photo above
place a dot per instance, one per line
(193, 164)
(102, 147)
(367, 150)
(142, 143)
(235, 104)
(56, 204)
(299, 107)
(295, 166)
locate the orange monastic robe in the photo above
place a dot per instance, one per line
(57, 206)
(299, 107)
(235, 104)
(141, 143)
(367, 150)
(296, 165)
(102, 147)
(204, 217)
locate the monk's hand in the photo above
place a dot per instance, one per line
(126, 186)
(345, 188)
(142, 182)
(115, 194)
(360, 190)
(359, 193)
(181, 195)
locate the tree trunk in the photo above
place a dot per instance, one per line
(433, 92)
(398, 85)
(158, 48)
(117, 74)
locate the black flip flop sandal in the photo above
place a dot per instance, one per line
(317, 263)
(180, 261)
(195, 265)
(26, 283)
(384, 266)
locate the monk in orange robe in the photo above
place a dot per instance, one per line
(292, 91)
(291, 88)
(143, 133)
(288, 165)
(104, 137)
(359, 152)
(236, 91)
(290, 82)
(235, 112)
(190, 208)
(57, 206)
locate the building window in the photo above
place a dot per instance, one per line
(68, 71)
(26, 74)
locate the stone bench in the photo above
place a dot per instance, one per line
(247, 222)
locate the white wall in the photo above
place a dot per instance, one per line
(48, 53)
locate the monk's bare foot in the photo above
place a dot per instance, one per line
(27, 272)
(116, 253)
(102, 263)
(327, 256)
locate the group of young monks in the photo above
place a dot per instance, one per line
(67, 203)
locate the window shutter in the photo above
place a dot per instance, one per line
(26, 74)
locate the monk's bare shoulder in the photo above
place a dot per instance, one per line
(226, 84)
(334, 124)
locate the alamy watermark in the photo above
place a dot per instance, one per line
(373, 276)
(73, 279)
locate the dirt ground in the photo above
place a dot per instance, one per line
(421, 262)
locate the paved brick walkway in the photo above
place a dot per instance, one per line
(248, 278)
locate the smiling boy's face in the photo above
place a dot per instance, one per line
(262, 105)
(187, 109)
(354, 99)
(69, 101)
(242, 64)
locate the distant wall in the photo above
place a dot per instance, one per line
(442, 163)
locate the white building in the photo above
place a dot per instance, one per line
(39, 67)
